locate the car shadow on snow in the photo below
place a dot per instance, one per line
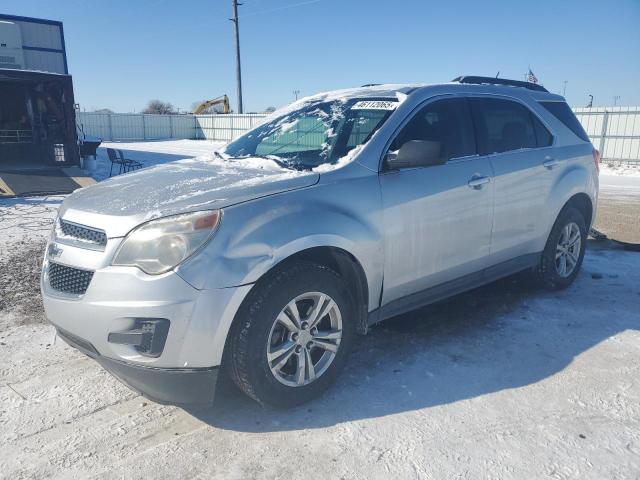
(501, 336)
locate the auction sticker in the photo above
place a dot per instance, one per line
(375, 105)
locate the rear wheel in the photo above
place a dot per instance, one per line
(292, 335)
(564, 251)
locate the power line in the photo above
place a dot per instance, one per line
(277, 9)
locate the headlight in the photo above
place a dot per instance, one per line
(160, 245)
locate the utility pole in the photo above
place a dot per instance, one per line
(615, 100)
(564, 90)
(296, 93)
(235, 4)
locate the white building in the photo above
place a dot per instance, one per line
(32, 44)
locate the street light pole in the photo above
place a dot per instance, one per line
(235, 4)
(564, 90)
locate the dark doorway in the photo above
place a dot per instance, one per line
(37, 120)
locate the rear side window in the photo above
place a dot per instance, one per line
(563, 112)
(446, 122)
(543, 137)
(502, 125)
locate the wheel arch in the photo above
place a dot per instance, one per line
(581, 202)
(569, 189)
(342, 262)
(335, 258)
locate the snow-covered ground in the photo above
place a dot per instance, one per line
(502, 382)
(620, 168)
(152, 153)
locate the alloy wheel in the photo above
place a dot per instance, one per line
(568, 249)
(304, 339)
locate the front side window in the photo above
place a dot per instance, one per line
(502, 125)
(445, 122)
(318, 133)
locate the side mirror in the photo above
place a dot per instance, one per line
(415, 153)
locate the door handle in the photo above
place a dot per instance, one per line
(477, 182)
(549, 163)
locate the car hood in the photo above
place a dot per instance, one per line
(119, 204)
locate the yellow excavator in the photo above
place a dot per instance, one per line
(223, 100)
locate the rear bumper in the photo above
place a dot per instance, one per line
(180, 386)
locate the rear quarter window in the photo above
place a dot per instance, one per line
(563, 112)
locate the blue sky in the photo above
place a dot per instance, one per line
(124, 53)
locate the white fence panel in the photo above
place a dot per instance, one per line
(183, 126)
(615, 131)
(126, 127)
(225, 127)
(157, 127)
(96, 124)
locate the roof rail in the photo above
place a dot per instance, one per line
(499, 81)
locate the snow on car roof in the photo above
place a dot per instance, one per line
(390, 90)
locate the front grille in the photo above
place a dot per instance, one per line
(68, 279)
(81, 234)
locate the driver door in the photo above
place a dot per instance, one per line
(437, 219)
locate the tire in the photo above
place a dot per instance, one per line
(549, 274)
(259, 331)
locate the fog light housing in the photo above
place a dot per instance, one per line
(147, 336)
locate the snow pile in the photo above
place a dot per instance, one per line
(620, 168)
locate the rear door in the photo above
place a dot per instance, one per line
(437, 219)
(513, 139)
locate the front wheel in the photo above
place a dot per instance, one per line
(564, 251)
(292, 335)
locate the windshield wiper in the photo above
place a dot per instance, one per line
(268, 157)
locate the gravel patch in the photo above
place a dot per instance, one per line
(20, 300)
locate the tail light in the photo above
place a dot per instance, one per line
(596, 159)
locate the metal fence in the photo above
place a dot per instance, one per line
(132, 126)
(615, 131)
(16, 136)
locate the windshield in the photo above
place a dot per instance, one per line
(317, 134)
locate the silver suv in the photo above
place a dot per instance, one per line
(343, 209)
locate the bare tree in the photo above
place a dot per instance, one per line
(269, 109)
(103, 110)
(159, 107)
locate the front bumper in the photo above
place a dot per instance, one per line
(182, 386)
(118, 297)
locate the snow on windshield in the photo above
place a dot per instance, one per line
(320, 133)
